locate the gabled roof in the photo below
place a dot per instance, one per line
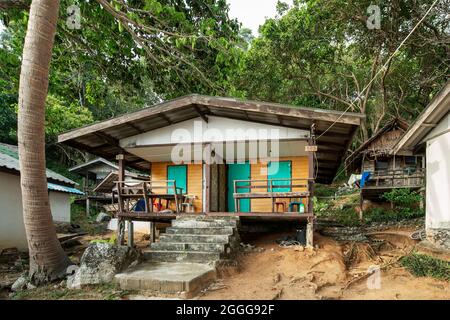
(393, 124)
(102, 138)
(9, 159)
(437, 109)
(82, 168)
(108, 184)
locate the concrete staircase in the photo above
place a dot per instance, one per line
(184, 260)
(197, 239)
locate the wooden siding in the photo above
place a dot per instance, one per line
(259, 172)
(194, 185)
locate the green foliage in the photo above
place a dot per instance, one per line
(321, 190)
(347, 216)
(319, 206)
(403, 197)
(112, 240)
(422, 265)
(320, 53)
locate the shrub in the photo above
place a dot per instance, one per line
(403, 197)
(422, 265)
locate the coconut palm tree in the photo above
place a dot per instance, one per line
(47, 258)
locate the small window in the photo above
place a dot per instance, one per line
(410, 160)
(381, 165)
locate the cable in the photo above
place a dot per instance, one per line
(383, 67)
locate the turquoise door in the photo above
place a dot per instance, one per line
(238, 171)
(179, 174)
(279, 170)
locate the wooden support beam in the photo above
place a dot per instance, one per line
(165, 118)
(134, 127)
(201, 114)
(121, 222)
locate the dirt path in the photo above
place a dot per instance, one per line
(324, 273)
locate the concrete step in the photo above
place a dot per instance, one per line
(182, 223)
(193, 238)
(198, 217)
(206, 247)
(203, 231)
(167, 278)
(181, 256)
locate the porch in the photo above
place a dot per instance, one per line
(382, 181)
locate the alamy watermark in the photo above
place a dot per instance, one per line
(73, 20)
(374, 19)
(230, 145)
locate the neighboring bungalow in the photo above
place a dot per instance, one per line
(98, 174)
(222, 157)
(381, 170)
(429, 135)
(12, 230)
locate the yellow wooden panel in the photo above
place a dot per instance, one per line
(194, 183)
(259, 172)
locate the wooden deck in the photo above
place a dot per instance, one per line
(164, 217)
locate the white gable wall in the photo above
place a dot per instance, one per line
(217, 129)
(12, 230)
(438, 176)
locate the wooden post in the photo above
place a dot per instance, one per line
(310, 232)
(86, 186)
(208, 180)
(120, 221)
(130, 234)
(152, 232)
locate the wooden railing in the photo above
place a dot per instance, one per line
(399, 178)
(298, 188)
(148, 190)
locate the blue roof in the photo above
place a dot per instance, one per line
(57, 187)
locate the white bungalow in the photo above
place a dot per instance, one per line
(430, 135)
(12, 230)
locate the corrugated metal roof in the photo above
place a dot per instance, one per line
(57, 187)
(9, 158)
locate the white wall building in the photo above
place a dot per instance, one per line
(12, 230)
(430, 135)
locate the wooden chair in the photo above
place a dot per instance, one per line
(280, 203)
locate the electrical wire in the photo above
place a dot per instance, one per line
(381, 69)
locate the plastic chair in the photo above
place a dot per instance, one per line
(188, 204)
(295, 203)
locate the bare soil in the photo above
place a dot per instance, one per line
(333, 271)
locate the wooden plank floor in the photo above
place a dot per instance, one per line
(163, 217)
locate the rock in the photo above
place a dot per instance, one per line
(30, 286)
(100, 262)
(300, 248)
(103, 217)
(20, 284)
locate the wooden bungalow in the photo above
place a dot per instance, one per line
(385, 171)
(258, 160)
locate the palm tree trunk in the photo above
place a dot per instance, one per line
(47, 258)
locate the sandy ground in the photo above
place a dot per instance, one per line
(334, 270)
(329, 272)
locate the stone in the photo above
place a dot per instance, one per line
(101, 262)
(30, 286)
(180, 279)
(103, 217)
(20, 284)
(439, 237)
